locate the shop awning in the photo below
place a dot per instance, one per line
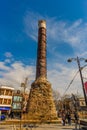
(4, 108)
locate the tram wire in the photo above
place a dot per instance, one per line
(70, 83)
(73, 80)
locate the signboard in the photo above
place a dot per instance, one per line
(17, 102)
(5, 108)
(17, 106)
(85, 87)
(17, 98)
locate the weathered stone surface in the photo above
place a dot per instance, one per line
(41, 104)
(41, 69)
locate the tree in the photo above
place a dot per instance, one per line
(56, 96)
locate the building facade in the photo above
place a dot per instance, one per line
(6, 94)
(17, 103)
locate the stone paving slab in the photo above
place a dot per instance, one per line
(40, 127)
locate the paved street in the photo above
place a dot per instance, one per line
(39, 127)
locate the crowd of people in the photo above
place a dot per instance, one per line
(67, 118)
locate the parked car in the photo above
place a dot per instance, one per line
(2, 117)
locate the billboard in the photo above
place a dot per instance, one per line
(17, 102)
(85, 87)
(17, 106)
(17, 98)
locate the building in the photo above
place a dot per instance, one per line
(17, 102)
(82, 102)
(6, 94)
(83, 108)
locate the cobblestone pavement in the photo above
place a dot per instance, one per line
(39, 127)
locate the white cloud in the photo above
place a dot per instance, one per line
(15, 74)
(61, 79)
(4, 67)
(7, 61)
(59, 31)
(8, 54)
(59, 76)
(72, 33)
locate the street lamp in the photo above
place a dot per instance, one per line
(78, 62)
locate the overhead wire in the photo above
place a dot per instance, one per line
(73, 80)
(70, 83)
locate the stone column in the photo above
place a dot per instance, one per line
(41, 107)
(41, 69)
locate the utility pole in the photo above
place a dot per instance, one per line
(82, 80)
(78, 62)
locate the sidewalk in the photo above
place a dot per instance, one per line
(13, 124)
(39, 127)
(54, 127)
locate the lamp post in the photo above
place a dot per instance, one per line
(78, 62)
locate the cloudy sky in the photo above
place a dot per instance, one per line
(66, 38)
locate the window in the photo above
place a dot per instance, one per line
(7, 92)
(5, 101)
(9, 101)
(1, 92)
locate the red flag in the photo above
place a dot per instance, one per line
(85, 86)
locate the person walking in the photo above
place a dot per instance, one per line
(76, 116)
(63, 118)
(68, 116)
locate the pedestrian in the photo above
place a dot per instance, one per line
(11, 115)
(68, 116)
(63, 118)
(76, 116)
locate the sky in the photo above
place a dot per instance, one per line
(66, 22)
